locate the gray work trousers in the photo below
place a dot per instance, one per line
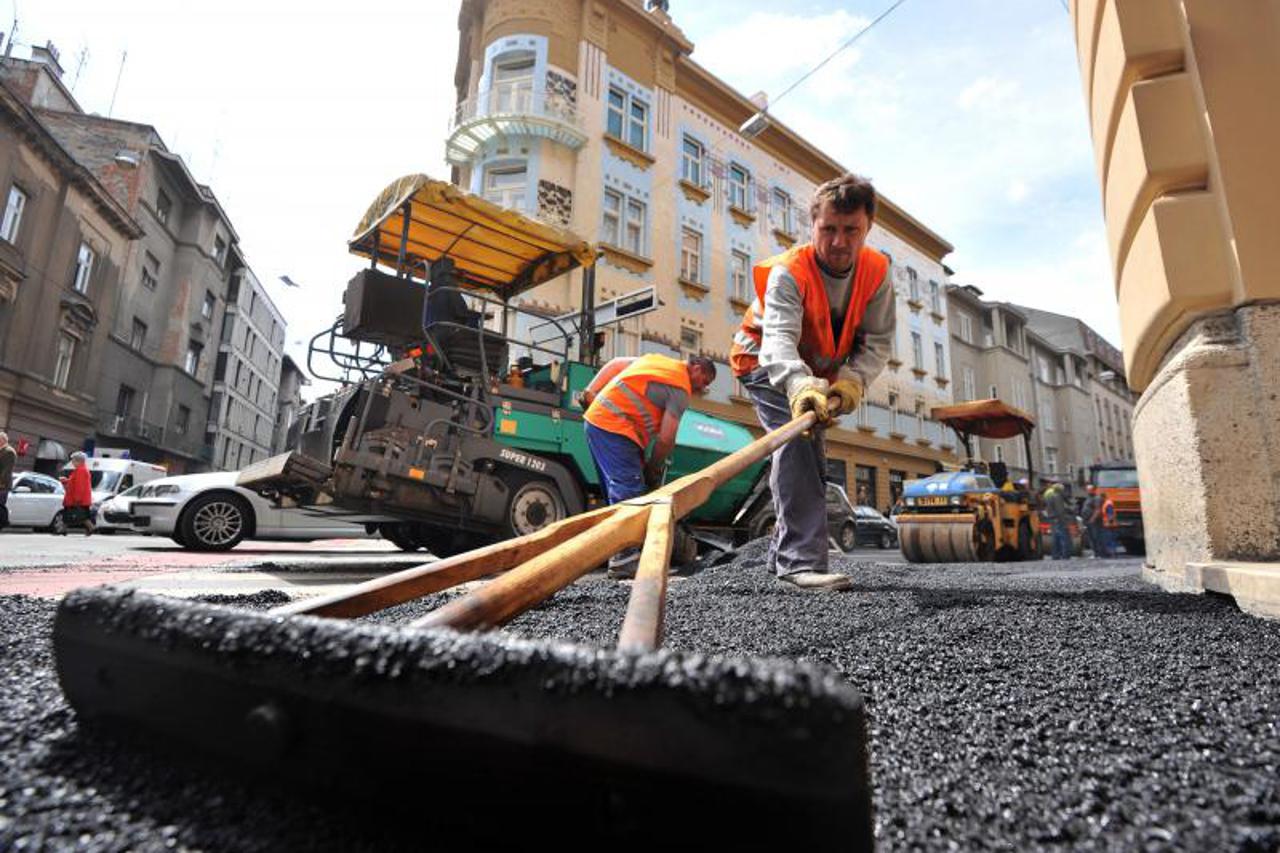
(797, 479)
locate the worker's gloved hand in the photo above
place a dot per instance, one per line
(848, 393)
(809, 394)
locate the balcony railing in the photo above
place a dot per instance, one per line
(512, 109)
(129, 426)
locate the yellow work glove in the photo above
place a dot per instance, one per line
(809, 395)
(848, 393)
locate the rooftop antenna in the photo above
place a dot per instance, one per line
(111, 109)
(82, 59)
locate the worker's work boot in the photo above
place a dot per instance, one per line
(623, 565)
(818, 581)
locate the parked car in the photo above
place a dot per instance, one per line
(875, 529)
(114, 513)
(111, 475)
(36, 501)
(209, 512)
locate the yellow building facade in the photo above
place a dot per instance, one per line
(594, 115)
(1181, 96)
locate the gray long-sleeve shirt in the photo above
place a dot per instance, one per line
(781, 325)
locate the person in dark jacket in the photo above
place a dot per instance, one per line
(8, 458)
(77, 500)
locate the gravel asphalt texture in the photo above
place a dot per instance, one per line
(1010, 709)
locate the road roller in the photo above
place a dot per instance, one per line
(973, 515)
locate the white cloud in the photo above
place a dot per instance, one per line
(986, 92)
(1017, 191)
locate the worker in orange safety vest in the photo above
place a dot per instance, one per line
(817, 333)
(635, 405)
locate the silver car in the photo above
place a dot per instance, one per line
(36, 501)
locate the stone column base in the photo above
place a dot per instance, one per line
(1206, 436)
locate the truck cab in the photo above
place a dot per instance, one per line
(1119, 481)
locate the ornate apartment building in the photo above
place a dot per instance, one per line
(1054, 368)
(593, 115)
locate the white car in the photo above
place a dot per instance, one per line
(35, 500)
(115, 513)
(209, 512)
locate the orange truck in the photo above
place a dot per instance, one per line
(1119, 481)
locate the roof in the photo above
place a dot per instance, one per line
(494, 248)
(985, 418)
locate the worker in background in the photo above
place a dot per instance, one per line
(633, 403)
(1090, 512)
(795, 352)
(1055, 509)
(1107, 518)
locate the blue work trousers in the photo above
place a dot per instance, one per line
(620, 463)
(1061, 540)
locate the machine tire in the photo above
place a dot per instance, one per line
(446, 542)
(985, 542)
(216, 522)
(763, 523)
(535, 502)
(1028, 542)
(398, 534)
(848, 537)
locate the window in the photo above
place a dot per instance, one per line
(691, 162)
(739, 270)
(124, 400)
(1022, 453)
(690, 341)
(512, 84)
(150, 271)
(913, 285)
(935, 298)
(183, 421)
(1051, 460)
(220, 250)
(226, 453)
(627, 119)
(970, 389)
(84, 269)
(1046, 415)
(66, 354)
(611, 229)
(999, 452)
(739, 186)
(220, 367)
(780, 211)
(192, 362)
(138, 337)
(993, 392)
(13, 214)
(939, 360)
(505, 186)
(633, 234)
(690, 255)
(164, 206)
(206, 310)
(966, 328)
(917, 351)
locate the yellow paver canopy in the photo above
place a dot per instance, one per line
(494, 249)
(985, 418)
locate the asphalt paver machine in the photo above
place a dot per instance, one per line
(461, 418)
(969, 515)
(431, 716)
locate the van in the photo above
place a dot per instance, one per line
(112, 475)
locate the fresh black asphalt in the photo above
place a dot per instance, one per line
(1011, 708)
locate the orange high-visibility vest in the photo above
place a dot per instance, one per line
(623, 405)
(818, 348)
(1108, 512)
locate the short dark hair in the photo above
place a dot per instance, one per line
(708, 366)
(847, 194)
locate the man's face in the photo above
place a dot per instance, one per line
(838, 237)
(699, 379)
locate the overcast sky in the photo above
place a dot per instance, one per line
(970, 115)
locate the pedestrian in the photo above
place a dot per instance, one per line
(633, 403)
(77, 497)
(1056, 511)
(817, 333)
(8, 458)
(1090, 511)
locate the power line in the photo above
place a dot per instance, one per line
(842, 47)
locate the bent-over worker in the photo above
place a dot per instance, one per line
(632, 403)
(795, 352)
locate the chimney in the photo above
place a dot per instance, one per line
(48, 57)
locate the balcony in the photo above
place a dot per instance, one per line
(131, 427)
(512, 110)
